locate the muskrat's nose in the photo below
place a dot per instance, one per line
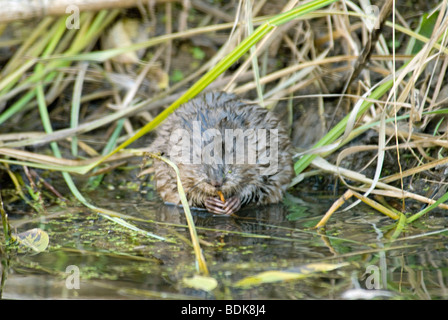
(216, 183)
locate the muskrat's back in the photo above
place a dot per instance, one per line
(203, 137)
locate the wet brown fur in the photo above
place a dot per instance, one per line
(219, 110)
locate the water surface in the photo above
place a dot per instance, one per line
(117, 263)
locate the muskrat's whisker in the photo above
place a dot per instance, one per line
(197, 191)
(196, 185)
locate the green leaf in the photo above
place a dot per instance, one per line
(425, 28)
(35, 239)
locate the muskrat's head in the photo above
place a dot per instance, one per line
(204, 181)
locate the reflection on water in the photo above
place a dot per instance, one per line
(116, 263)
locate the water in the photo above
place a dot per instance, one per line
(117, 263)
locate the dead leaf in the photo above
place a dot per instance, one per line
(277, 276)
(201, 282)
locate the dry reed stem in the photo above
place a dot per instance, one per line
(346, 196)
(388, 190)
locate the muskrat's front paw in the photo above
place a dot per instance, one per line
(232, 205)
(215, 205)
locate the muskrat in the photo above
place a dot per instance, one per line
(229, 153)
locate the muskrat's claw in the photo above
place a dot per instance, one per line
(215, 205)
(232, 205)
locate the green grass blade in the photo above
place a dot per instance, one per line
(76, 104)
(193, 234)
(401, 224)
(131, 226)
(47, 71)
(414, 217)
(255, 69)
